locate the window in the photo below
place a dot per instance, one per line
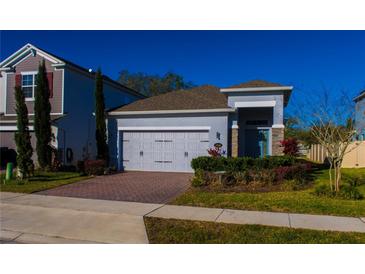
(257, 122)
(28, 85)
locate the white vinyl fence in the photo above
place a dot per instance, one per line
(354, 158)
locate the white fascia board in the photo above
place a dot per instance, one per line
(15, 54)
(254, 104)
(283, 88)
(13, 128)
(182, 111)
(277, 126)
(164, 128)
(25, 49)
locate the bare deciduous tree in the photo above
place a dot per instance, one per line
(329, 117)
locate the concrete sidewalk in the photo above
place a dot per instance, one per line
(230, 216)
(50, 219)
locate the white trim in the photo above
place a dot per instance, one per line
(13, 128)
(13, 55)
(282, 88)
(24, 50)
(6, 92)
(159, 170)
(63, 91)
(116, 113)
(22, 59)
(235, 126)
(31, 114)
(278, 126)
(28, 72)
(253, 104)
(207, 128)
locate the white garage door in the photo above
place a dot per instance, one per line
(162, 150)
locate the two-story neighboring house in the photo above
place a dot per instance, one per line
(72, 101)
(360, 115)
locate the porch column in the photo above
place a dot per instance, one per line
(234, 141)
(277, 135)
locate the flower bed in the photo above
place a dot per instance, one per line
(244, 173)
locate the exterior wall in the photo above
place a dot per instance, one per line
(360, 118)
(7, 140)
(278, 97)
(218, 123)
(31, 64)
(77, 128)
(277, 136)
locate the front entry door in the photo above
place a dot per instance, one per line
(256, 142)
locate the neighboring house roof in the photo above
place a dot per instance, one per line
(360, 96)
(202, 97)
(256, 84)
(58, 61)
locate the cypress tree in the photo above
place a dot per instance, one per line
(22, 137)
(100, 134)
(42, 118)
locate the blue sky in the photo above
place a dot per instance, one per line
(309, 60)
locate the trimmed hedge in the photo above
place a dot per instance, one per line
(239, 164)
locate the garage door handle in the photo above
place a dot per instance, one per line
(141, 153)
(186, 154)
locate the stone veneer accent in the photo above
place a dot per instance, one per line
(277, 136)
(234, 142)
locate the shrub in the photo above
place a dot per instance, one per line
(297, 172)
(94, 167)
(207, 163)
(290, 146)
(347, 192)
(350, 192)
(80, 165)
(323, 190)
(228, 179)
(199, 178)
(354, 180)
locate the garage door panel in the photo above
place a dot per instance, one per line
(163, 151)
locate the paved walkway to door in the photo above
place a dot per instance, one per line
(144, 187)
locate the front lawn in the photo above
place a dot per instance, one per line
(171, 231)
(284, 201)
(41, 181)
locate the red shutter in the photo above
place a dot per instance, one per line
(50, 83)
(18, 80)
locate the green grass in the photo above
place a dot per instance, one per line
(41, 181)
(171, 231)
(286, 201)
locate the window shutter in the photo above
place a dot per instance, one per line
(50, 83)
(18, 80)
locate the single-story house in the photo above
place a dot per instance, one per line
(165, 132)
(72, 101)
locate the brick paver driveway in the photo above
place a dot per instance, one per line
(145, 187)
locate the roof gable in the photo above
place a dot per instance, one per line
(26, 51)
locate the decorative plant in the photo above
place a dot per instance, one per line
(291, 146)
(216, 151)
